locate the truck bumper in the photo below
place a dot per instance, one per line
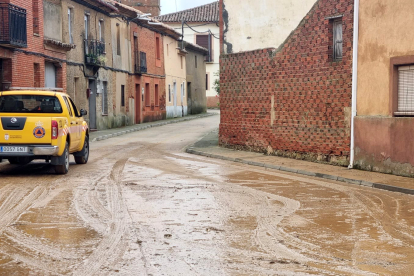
(34, 151)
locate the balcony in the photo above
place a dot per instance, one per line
(13, 29)
(140, 62)
(94, 52)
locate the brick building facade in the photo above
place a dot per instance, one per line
(24, 56)
(149, 79)
(293, 101)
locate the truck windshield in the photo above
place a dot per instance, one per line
(29, 104)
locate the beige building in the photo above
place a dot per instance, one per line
(175, 78)
(249, 26)
(384, 125)
(202, 28)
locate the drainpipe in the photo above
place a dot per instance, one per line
(354, 82)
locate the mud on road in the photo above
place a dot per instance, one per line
(142, 206)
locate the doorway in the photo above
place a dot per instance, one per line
(175, 99)
(92, 104)
(137, 104)
(189, 101)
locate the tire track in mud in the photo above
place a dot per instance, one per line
(113, 222)
(18, 201)
(295, 249)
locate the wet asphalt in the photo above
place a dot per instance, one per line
(143, 206)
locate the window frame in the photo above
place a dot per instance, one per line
(70, 25)
(337, 43)
(395, 63)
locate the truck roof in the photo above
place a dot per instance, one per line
(32, 92)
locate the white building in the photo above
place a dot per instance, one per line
(201, 26)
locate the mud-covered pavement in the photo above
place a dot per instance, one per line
(142, 206)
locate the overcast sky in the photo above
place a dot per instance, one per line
(169, 6)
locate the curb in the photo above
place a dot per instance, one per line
(379, 186)
(138, 128)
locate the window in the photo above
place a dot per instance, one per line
(86, 19)
(337, 39)
(50, 75)
(122, 95)
(35, 6)
(143, 62)
(147, 95)
(195, 58)
(206, 42)
(75, 109)
(70, 26)
(101, 30)
(157, 46)
(29, 104)
(169, 93)
(105, 98)
(405, 101)
(118, 39)
(68, 106)
(157, 100)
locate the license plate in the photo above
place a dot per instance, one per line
(13, 149)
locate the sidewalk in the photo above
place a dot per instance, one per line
(108, 133)
(208, 146)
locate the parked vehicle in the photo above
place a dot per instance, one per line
(42, 125)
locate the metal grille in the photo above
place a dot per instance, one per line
(93, 50)
(405, 90)
(13, 29)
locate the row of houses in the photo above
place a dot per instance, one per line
(321, 80)
(115, 61)
(200, 25)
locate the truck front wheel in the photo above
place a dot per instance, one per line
(82, 156)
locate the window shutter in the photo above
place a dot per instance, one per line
(405, 90)
(205, 41)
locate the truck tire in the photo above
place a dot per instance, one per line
(83, 156)
(63, 168)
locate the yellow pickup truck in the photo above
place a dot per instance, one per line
(42, 125)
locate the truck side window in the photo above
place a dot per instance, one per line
(68, 106)
(77, 113)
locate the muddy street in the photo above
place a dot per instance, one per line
(142, 206)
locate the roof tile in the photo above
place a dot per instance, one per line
(205, 13)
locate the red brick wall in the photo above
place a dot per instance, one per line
(155, 74)
(312, 94)
(22, 64)
(213, 102)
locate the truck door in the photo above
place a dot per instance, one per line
(73, 127)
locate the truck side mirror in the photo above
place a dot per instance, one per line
(83, 112)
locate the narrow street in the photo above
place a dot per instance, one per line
(142, 206)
